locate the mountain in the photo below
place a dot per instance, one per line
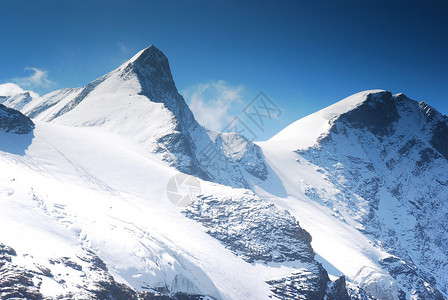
(136, 200)
(95, 199)
(45, 107)
(14, 96)
(92, 184)
(383, 160)
(143, 88)
(16, 130)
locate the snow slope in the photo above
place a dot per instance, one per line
(325, 197)
(378, 163)
(86, 184)
(305, 132)
(139, 100)
(113, 203)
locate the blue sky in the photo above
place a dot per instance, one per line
(304, 55)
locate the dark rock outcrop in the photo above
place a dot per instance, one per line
(13, 121)
(377, 114)
(17, 282)
(252, 228)
(259, 232)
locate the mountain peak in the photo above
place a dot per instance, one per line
(152, 60)
(371, 104)
(149, 56)
(153, 71)
(376, 113)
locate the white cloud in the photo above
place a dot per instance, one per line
(123, 48)
(39, 79)
(11, 89)
(211, 102)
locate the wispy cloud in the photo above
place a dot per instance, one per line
(39, 79)
(123, 48)
(211, 102)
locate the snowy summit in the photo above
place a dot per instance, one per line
(346, 203)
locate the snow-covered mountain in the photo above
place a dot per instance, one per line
(379, 162)
(139, 100)
(14, 96)
(346, 203)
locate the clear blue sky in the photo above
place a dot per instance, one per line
(304, 55)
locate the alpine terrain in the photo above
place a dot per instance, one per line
(115, 191)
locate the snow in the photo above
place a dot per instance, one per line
(304, 133)
(97, 187)
(46, 107)
(12, 89)
(361, 195)
(83, 187)
(89, 177)
(337, 244)
(135, 57)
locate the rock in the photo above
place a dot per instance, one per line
(13, 121)
(252, 228)
(390, 153)
(93, 281)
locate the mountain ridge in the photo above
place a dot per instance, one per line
(139, 100)
(347, 203)
(363, 152)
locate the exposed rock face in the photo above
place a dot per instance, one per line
(309, 284)
(153, 71)
(387, 157)
(408, 274)
(15, 282)
(246, 154)
(208, 158)
(89, 279)
(260, 232)
(252, 228)
(338, 289)
(376, 114)
(357, 293)
(13, 121)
